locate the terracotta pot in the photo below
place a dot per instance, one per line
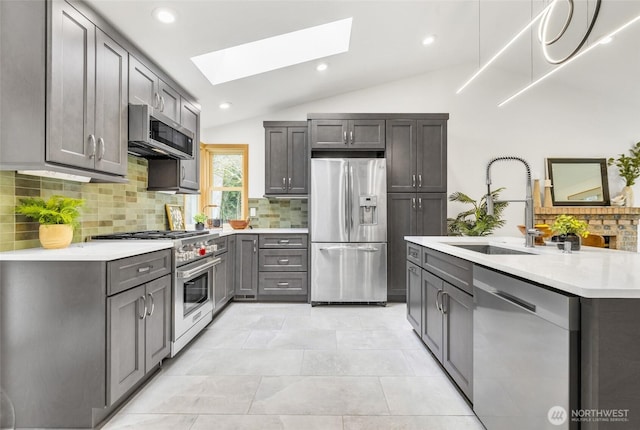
(55, 236)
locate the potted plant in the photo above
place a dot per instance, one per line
(476, 221)
(570, 229)
(57, 217)
(200, 219)
(629, 170)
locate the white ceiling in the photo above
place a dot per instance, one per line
(385, 46)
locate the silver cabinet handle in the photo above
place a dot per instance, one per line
(156, 100)
(283, 261)
(413, 202)
(283, 284)
(420, 203)
(420, 181)
(437, 300)
(161, 104)
(289, 183)
(412, 269)
(254, 246)
(351, 137)
(153, 304)
(92, 144)
(413, 181)
(344, 137)
(144, 269)
(102, 148)
(442, 309)
(284, 183)
(283, 241)
(144, 312)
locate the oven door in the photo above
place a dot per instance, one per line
(193, 294)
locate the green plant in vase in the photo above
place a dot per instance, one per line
(57, 217)
(476, 221)
(629, 170)
(200, 219)
(569, 228)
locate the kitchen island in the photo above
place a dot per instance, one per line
(600, 335)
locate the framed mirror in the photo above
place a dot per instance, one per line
(578, 181)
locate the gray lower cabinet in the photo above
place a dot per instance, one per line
(410, 214)
(286, 157)
(282, 266)
(139, 334)
(445, 307)
(231, 266)
(224, 272)
(220, 285)
(246, 266)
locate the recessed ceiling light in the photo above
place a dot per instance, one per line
(164, 15)
(275, 52)
(321, 67)
(429, 39)
(225, 105)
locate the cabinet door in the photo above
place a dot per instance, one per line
(432, 289)
(190, 169)
(401, 222)
(71, 106)
(169, 101)
(247, 265)
(111, 105)
(143, 84)
(220, 282)
(276, 158)
(231, 267)
(157, 321)
(457, 357)
(367, 134)
(298, 160)
(414, 296)
(432, 156)
(431, 214)
(125, 337)
(401, 155)
(329, 134)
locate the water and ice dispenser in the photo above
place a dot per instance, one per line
(368, 210)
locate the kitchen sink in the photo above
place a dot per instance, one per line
(490, 249)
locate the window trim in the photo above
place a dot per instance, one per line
(207, 150)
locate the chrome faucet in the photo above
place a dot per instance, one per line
(530, 231)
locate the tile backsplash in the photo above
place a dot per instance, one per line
(279, 213)
(108, 207)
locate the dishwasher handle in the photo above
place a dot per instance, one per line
(516, 301)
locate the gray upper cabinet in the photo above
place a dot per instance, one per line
(286, 157)
(190, 169)
(145, 87)
(88, 103)
(417, 154)
(348, 134)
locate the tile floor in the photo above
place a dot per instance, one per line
(291, 366)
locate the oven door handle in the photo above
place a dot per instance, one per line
(190, 273)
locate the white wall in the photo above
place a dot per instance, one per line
(547, 121)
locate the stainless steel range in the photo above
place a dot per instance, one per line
(194, 267)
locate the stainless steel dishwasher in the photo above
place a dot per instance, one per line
(525, 354)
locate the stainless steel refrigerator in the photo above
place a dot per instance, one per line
(348, 229)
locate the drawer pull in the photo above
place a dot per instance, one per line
(283, 261)
(283, 241)
(144, 269)
(283, 284)
(279, 289)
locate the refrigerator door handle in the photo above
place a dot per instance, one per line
(346, 201)
(351, 198)
(357, 248)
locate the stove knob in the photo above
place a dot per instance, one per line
(202, 251)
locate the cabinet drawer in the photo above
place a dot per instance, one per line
(282, 260)
(414, 253)
(283, 241)
(452, 269)
(133, 271)
(282, 283)
(222, 244)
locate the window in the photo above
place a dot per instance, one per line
(224, 181)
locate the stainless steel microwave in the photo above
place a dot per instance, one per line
(154, 135)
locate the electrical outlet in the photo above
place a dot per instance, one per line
(252, 211)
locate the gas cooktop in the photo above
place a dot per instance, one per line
(151, 234)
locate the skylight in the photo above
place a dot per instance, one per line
(275, 52)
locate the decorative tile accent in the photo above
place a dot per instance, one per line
(108, 208)
(279, 213)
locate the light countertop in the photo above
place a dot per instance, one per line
(590, 272)
(89, 251)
